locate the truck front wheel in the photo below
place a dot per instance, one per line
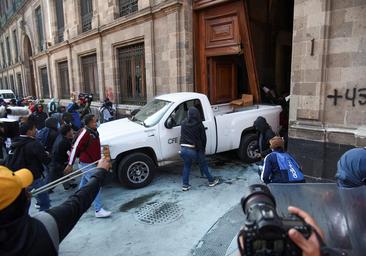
(136, 170)
(246, 152)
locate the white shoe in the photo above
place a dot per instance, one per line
(102, 213)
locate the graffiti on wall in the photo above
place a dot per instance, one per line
(355, 95)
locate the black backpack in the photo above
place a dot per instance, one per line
(16, 159)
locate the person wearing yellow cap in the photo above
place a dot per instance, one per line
(21, 234)
(279, 166)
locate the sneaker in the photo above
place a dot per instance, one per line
(186, 187)
(37, 206)
(214, 182)
(102, 213)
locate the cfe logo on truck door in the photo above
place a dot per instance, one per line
(173, 140)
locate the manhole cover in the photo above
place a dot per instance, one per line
(159, 213)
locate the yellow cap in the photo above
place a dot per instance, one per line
(12, 183)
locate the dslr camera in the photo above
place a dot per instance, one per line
(264, 231)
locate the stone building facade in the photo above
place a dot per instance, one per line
(127, 50)
(132, 50)
(328, 88)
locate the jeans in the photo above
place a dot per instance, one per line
(189, 155)
(43, 199)
(85, 179)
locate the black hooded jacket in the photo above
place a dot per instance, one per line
(193, 131)
(34, 154)
(51, 123)
(265, 133)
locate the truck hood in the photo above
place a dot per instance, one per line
(109, 132)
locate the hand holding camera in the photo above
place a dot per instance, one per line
(310, 246)
(266, 233)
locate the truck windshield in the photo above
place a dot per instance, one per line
(152, 112)
(7, 96)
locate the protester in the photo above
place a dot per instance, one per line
(193, 145)
(21, 234)
(39, 117)
(351, 168)
(279, 166)
(48, 134)
(264, 133)
(27, 152)
(60, 150)
(73, 108)
(87, 148)
(58, 114)
(106, 111)
(68, 119)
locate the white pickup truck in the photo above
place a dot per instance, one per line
(151, 138)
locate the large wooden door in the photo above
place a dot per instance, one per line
(222, 31)
(222, 76)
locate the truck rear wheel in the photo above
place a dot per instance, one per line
(136, 170)
(246, 152)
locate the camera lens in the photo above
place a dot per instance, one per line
(257, 194)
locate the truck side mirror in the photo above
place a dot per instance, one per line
(169, 123)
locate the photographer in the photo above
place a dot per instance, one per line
(21, 234)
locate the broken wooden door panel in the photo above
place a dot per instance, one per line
(219, 31)
(223, 79)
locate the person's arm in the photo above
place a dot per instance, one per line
(69, 212)
(267, 169)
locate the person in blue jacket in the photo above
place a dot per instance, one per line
(279, 166)
(351, 168)
(72, 108)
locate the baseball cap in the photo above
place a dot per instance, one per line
(12, 183)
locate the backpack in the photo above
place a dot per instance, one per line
(288, 163)
(42, 136)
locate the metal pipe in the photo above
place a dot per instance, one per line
(60, 181)
(63, 179)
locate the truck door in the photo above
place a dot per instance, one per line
(169, 138)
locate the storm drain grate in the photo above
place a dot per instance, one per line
(159, 213)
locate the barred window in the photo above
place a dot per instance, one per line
(131, 68)
(6, 82)
(19, 84)
(86, 8)
(64, 86)
(8, 50)
(15, 40)
(39, 24)
(12, 87)
(3, 54)
(44, 82)
(60, 20)
(90, 75)
(127, 7)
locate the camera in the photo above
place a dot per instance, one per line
(86, 97)
(264, 231)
